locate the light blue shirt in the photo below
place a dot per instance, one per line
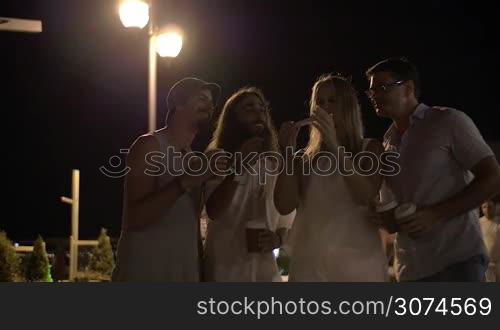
(436, 152)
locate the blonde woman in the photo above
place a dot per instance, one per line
(332, 239)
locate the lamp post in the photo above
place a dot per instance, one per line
(166, 42)
(74, 201)
(74, 239)
(20, 25)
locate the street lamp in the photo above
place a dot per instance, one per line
(74, 240)
(167, 43)
(134, 14)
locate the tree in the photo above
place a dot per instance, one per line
(38, 268)
(283, 262)
(9, 262)
(103, 260)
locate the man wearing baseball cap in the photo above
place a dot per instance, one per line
(160, 238)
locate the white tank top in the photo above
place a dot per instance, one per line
(167, 250)
(332, 239)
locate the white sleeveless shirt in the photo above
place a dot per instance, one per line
(168, 250)
(332, 239)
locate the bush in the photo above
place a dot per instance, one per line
(283, 262)
(102, 260)
(91, 276)
(38, 268)
(9, 261)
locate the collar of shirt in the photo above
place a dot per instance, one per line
(392, 136)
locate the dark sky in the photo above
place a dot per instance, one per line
(76, 94)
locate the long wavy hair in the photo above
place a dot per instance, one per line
(227, 133)
(348, 115)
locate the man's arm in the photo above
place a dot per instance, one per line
(145, 205)
(485, 185)
(471, 153)
(222, 196)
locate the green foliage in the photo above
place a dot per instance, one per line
(91, 276)
(38, 268)
(9, 261)
(283, 262)
(49, 275)
(103, 260)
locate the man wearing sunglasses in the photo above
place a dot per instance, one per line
(446, 170)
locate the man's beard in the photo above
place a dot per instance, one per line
(248, 131)
(203, 124)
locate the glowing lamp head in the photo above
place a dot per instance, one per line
(169, 44)
(134, 13)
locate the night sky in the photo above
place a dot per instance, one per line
(76, 94)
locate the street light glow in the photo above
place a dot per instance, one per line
(134, 13)
(169, 44)
(166, 42)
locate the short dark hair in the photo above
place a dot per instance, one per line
(401, 68)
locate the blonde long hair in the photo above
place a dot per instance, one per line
(348, 114)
